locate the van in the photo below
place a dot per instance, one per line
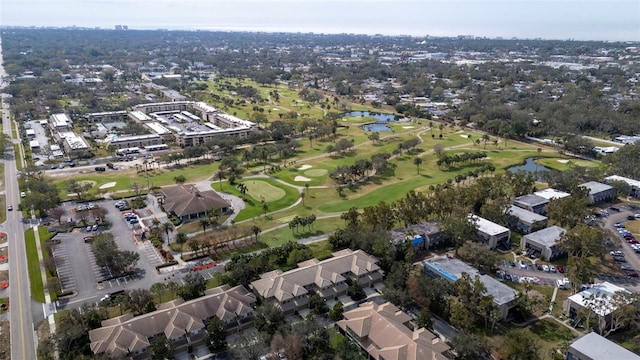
(100, 169)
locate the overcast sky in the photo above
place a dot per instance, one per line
(548, 19)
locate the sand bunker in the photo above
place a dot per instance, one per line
(301, 179)
(408, 127)
(563, 161)
(304, 167)
(107, 185)
(464, 136)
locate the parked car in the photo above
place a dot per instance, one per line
(619, 259)
(10, 207)
(560, 269)
(94, 227)
(613, 208)
(88, 228)
(619, 225)
(637, 216)
(552, 268)
(522, 264)
(539, 267)
(88, 239)
(631, 217)
(616, 253)
(545, 268)
(23, 194)
(100, 168)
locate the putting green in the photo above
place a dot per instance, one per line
(260, 190)
(316, 172)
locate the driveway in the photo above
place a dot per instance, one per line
(629, 254)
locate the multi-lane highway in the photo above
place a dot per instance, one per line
(23, 344)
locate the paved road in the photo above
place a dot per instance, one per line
(23, 338)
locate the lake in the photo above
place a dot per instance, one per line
(383, 118)
(376, 127)
(530, 166)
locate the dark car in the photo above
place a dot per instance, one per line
(631, 217)
(539, 267)
(613, 208)
(560, 268)
(100, 169)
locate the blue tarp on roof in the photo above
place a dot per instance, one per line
(441, 272)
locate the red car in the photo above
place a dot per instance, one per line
(560, 268)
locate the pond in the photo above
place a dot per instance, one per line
(376, 127)
(382, 118)
(530, 166)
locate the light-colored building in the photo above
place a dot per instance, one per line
(181, 322)
(385, 332)
(73, 144)
(290, 290)
(634, 184)
(451, 269)
(598, 298)
(532, 202)
(107, 117)
(124, 142)
(599, 192)
(527, 221)
(139, 116)
(188, 203)
(595, 347)
(544, 242)
(551, 194)
(490, 233)
(59, 122)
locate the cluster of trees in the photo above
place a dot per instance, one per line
(462, 159)
(107, 255)
(345, 174)
(302, 221)
(244, 268)
(203, 244)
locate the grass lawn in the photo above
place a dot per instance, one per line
(550, 334)
(37, 288)
(284, 234)
(566, 164)
(44, 237)
(262, 190)
(19, 160)
(321, 250)
(253, 205)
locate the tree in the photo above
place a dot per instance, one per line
(242, 187)
(215, 337)
(204, 223)
(335, 314)
(256, 230)
(302, 196)
(265, 207)
(194, 286)
(458, 229)
(424, 319)
(140, 301)
(417, 162)
(249, 346)
(471, 346)
(57, 213)
(161, 348)
(355, 292)
(180, 179)
(77, 187)
(520, 344)
(167, 227)
(157, 289)
(181, 238)
(485, 138)
(479, 255)
(269, 318)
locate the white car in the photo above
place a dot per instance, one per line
(552, 268)
(523, 265)
(23, 194)
(545, 268)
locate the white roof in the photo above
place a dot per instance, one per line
(599, 347)
(548, 236)
(140, 116)
(60, 120)
(604, 290)
(158, 128)
(595, 187)
(551, 194)
(34, 144)
(631, 182)
(488, 227)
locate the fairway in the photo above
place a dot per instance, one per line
(261, 190)
(316, 172)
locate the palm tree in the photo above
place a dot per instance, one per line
(265, 207)
(306, 187)
(220, 177)
(167, 227)
(181, 238)
(256, 230)
(204, 223)
(485, 138)
(302, 196)
(417, 161)
(243, 190)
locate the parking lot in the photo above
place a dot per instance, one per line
(80, 273)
